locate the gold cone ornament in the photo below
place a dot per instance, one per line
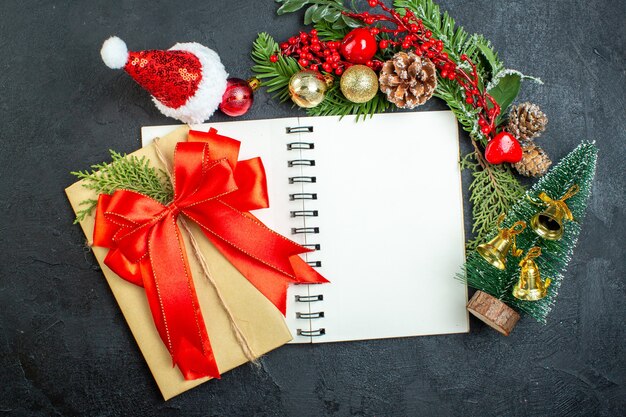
(549, 224)
(308, 88)
(530, 286)
(496, 250)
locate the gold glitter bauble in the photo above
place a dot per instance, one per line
(359, 84)
(307, 88)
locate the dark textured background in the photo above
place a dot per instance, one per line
(64, 346)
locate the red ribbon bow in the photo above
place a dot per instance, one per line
(146, 246)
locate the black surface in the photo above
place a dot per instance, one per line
(64, 346)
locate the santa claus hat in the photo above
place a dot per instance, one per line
(186, 82)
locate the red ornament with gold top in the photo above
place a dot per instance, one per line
(239, 96)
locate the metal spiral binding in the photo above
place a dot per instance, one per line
(303, 213)
(293, 180)
(312, 333)
(301, 147)
(309, 298)
(316, 315)
(301, 162)
(301, 230)
(300, 129)
(303, 196)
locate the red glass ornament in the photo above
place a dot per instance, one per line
(359, 46)
(237, 98)
(503, 148)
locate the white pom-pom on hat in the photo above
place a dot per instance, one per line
(114, 53)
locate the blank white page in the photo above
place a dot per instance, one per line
(391, 225)
(390, 219)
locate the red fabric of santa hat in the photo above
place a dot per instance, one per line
(186, 82)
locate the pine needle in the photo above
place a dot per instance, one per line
(123, 173)
(274, 76)
(493, 191)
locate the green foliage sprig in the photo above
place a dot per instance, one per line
(276, 76)
(124, 173)
(456, 43)
(335, 104)
(319, 11)
(494, 188)
(576, 168)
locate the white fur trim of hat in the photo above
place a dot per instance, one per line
(208, 97)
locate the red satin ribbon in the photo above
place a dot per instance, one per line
(216, 191)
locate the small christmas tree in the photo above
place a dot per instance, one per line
(573, 175)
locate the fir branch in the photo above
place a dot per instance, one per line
(494, 190)
(456, 40)
(576, 168)
(124, 173)
(466, 115)
(83, 213)
(456, 43)
(335, 104)
(327, 31)
(276, 78)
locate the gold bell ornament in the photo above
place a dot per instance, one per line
(308, 88)
(530, 286)
(496, 249)
(549, 223)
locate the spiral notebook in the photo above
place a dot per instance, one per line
(380, 203)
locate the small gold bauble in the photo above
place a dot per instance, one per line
(307, 88)
(359, 84)
(254, 83)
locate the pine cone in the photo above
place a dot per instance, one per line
(527, 121)
(535, 162)
(408, 80)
